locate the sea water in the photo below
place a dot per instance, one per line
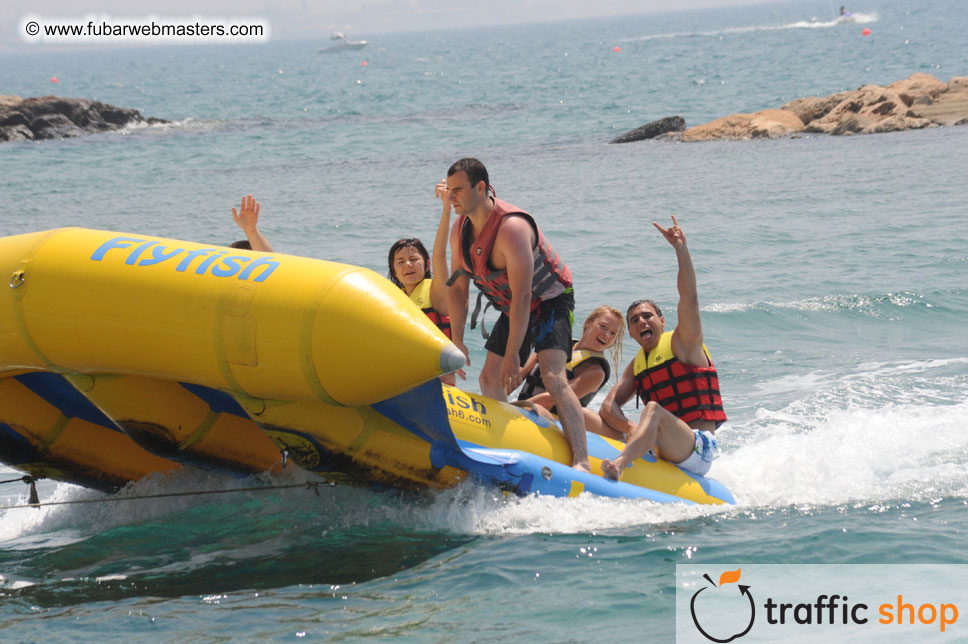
(833, 282)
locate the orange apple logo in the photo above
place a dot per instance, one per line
(728, 577)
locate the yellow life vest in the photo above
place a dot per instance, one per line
(421, 297)
(685, 390)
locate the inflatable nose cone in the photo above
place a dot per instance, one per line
(370, 342)
(451, 359)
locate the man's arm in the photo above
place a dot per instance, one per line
(457, 296)
(611, 411)
(529, 365)
(438, 285)
(247, 218)
(687, 338)
(514, 243)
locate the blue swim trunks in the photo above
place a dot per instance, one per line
(703, 453)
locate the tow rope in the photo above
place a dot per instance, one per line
(34, 502)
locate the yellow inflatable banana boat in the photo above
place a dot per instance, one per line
(123, 355)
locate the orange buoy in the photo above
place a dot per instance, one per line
(53, 79)
(616, 48)
(866, 32)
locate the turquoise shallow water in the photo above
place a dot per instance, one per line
(832, 279)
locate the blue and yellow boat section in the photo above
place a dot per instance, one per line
(123, 356)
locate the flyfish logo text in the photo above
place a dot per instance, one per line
(214, 261)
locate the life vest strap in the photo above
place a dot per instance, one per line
(478, 312)
(457, 274)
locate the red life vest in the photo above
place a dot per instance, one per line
(549, 279)
(421, 297)
(689, 392)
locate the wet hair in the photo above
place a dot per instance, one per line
(408, 242)
(243, 244)
(616, 348)
(634, 304)
(476, 172)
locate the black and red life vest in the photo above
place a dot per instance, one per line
(549, 278)
(687, 391)
(421, 297)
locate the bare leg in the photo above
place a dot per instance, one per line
(490, 378)
(597, 425)
(552, 364)
(538, 409)
(657, 429)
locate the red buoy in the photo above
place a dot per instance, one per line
(364, 63)
(53, 79)
(616, 48)
(866, 32)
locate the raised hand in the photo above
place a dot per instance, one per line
(673, 235)
(247, 218)
(443, 194)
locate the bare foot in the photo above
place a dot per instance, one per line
(582, 467)
(611, 470)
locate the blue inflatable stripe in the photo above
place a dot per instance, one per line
(56, 390)
(219, 401)
(14, 448)
(422, 411)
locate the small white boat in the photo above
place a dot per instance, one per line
(342, 44)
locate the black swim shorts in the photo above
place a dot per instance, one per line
(548, 328)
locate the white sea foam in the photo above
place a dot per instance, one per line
(858, 455)
(865, 304)
(472, 509)
(858, 18)
(791, 383)
(884, 431)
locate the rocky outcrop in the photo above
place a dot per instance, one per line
(949, 107)
(814, 107)
(870, 109)
(768, 124)
(652, 130)
(53, 117)
(916, 102)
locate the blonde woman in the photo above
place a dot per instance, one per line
(589, 368)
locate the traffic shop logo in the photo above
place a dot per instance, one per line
(725, 591)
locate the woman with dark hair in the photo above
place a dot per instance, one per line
(410, 268)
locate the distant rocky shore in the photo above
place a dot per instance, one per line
(53, 117)
(916, 102)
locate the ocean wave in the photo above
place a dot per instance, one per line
(859, 455)
(871, 305)
(885, 431)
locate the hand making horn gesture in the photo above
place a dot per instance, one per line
(673, 235)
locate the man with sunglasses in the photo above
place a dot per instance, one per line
(673, 375)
